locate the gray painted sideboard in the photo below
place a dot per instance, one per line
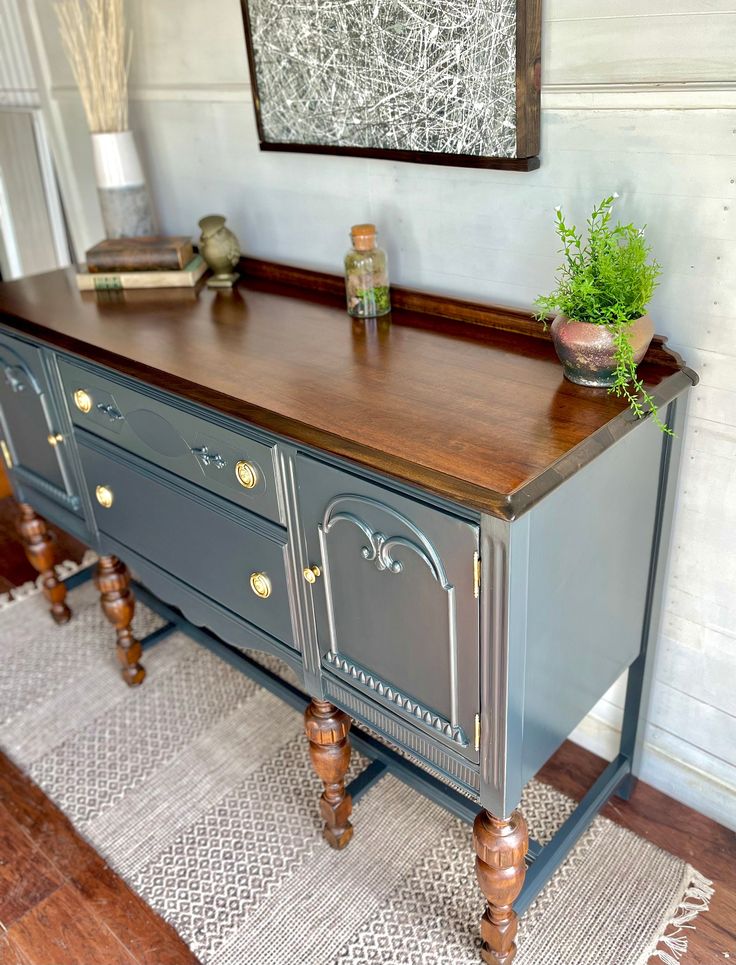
(472, 641)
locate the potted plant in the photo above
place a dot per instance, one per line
(601, 330)
(98, 47)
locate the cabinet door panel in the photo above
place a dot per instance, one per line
(395, 606)
(28, 422)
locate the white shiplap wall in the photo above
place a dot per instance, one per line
(641, 103)
(32, 231)
(17, 79)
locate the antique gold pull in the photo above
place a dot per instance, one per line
(311, 573)
(6, 454)
(261, 585)
(104, 496)
(55, 438)
(246, 473)
(83, 401)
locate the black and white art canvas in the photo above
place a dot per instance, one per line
(427, 76)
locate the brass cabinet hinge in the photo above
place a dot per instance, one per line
(477, 732)
(476, 575)
(6, 454)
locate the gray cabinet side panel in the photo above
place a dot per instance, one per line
(589, 555)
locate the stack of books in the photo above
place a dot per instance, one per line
(146, 262)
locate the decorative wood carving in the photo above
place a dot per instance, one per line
(118, 605)
(40, 550)
(379, 546)
(108, 409)
(500, 848)
(17, 375)
(357, 674)
(46, 488)
(327, 730)
(424, 749)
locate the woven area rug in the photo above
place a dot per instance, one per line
(197, 789)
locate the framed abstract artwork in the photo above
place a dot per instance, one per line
(435, 81)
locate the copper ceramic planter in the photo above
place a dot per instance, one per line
(587, 351)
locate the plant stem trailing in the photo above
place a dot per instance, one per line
(609, 280)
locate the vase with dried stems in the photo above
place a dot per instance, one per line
(98, 47)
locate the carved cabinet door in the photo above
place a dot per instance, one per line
(394, 598)
(32, 445)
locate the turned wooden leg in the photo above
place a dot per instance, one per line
(118, 604)
(500, 848)
(329, 747)
(39, 546)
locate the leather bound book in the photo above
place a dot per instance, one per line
(186, 277)
(150, 253)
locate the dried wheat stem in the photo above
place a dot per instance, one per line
(98, 48)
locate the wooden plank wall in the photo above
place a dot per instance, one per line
(23, 188)
(639, 99)
(32, 229)
(17, 79)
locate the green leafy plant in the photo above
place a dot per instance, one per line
(607, 279)
(374, 300)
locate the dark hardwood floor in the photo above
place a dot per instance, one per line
(706, 845)
(60, 904)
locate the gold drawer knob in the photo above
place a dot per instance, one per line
(55, 438)
(261, 585)
(246, 473)
(104, 496)
(311, 573)
(83, 401)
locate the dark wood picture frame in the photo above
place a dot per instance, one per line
(528, 87)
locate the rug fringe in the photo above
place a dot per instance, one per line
(695, 900)
(63, 571)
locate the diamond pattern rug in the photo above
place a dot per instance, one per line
(197, 789)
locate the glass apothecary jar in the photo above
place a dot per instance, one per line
(366, 275)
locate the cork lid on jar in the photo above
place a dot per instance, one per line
(363, 236)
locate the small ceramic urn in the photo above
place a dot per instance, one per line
(220, 249)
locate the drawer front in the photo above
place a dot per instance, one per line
(203, 541)
(395, 601)
(225, 462)
(33, 445)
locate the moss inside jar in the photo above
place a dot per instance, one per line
(366, 275)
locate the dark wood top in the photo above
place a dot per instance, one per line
(466, 400)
